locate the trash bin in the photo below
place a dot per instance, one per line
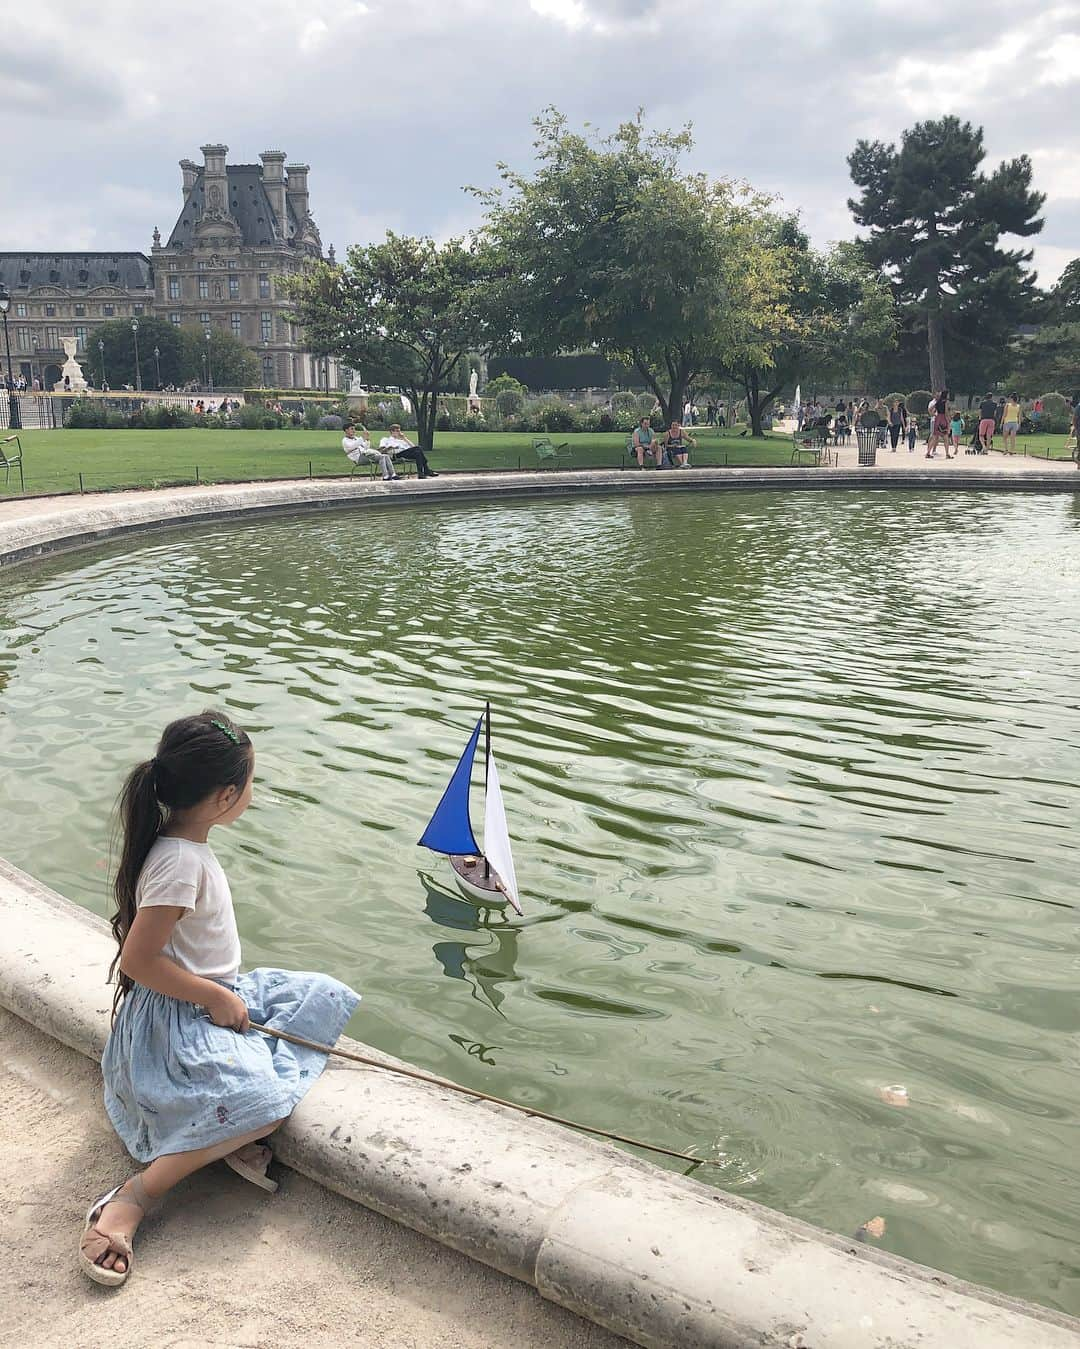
(867, 438)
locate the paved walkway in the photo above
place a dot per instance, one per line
(993, 466)
(222, 1263)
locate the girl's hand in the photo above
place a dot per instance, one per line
(227, 1009)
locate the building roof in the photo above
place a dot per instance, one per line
(76, 271)
(249, 206)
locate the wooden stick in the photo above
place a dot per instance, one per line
(478, 1095)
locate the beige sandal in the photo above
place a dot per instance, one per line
(120, 1244)
(252, 1173)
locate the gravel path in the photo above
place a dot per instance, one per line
(222, 1263)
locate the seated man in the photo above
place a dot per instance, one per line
(360, 452)
(398, 447)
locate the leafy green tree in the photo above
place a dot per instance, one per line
(119, 353)
(1049, 361)
(181, 353)
(936, 221)
(1064, 297)
(837, 320)
(610, 246)
(224, 358)
(402, 312)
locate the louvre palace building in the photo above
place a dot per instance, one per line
(240, 227)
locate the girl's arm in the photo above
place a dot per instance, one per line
(141, 960)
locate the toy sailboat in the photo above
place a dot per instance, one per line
(484, 875)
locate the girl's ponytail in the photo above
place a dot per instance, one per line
(141, 818)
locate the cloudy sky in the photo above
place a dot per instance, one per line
(397, 103)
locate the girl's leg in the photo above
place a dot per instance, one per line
(159, 1178)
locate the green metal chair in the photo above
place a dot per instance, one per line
(10, 460)
(551, 454)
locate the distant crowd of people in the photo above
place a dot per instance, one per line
(945, 422)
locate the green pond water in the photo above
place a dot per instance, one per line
(794, 783)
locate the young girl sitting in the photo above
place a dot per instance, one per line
(187, 1082)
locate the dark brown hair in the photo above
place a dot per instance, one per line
(195, 757)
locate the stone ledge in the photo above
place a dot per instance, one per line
(33, 527)
(664, 1261)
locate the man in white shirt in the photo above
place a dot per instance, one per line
(360, 452)
(398, 447)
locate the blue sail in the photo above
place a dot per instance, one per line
(449, 829)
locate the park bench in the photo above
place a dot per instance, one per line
(10, 459)
(547, 452)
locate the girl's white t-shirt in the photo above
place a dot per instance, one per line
(187, 875)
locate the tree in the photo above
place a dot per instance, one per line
(609, 246)
(1048, 362)
(402, 312)
(181, 355)
(224, 359)
(119, 354)
(935, 223)
(1064, 297)
(838, 318)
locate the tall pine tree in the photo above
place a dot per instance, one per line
(936, 222)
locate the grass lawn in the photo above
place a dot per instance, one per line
(53, 460)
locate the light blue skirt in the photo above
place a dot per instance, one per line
(175, 1082)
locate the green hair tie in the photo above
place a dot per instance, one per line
(227, 730)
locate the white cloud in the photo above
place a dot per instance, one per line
(398, 103)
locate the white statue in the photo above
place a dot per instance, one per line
(71, 378)
(474, 404)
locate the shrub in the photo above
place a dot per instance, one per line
(503, 384)
(474, 423)
(891, 398)
(115, 421)
(627, 402)
(253, 417)
(553, 417)
(919, 401)
(645, 404)
(331, 422)
(163, 418)
(1055, 405)
(85, 414)
(510, 402)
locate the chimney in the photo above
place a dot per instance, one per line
(215, 182)
(273, 177)
(189, 169)
(297, 190)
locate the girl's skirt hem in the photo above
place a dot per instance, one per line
(175, 1082)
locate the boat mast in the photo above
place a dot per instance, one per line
(487, 760)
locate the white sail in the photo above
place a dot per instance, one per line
(497, 835)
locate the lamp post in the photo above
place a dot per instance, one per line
(14, 413)
(209, 362)
(101, 352)
(34, 362)
(157, 366)
(138, 368)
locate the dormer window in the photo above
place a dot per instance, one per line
(54, 275)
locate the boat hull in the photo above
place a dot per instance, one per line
(468, 872)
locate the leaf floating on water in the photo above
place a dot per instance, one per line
(874, 1228)
(896, 1095)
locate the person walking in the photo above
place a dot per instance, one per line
(1010, 423)
(956, 430)
(1076, 428)
(987, 423)
(939, 424)
(897, 415)
(187, 1080)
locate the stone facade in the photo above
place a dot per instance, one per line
(58, 295)
(241, 227)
